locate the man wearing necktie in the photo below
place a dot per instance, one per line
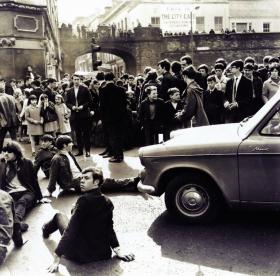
(238, 94)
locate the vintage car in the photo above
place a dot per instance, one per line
(202, 169)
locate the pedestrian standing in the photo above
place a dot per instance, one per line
(8, 115)
(63, 114)
(34, 121)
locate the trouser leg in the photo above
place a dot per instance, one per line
(13, 132)
(58, 222)
(120, 185)
(86, 132)
(79, 138)
(23, 202)
(3, 132)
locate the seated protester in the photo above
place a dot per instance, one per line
(213, 102)
(66, 172)
(45, 154)
(89, 234)
(6, 223)
(171, 107)
(17, 177)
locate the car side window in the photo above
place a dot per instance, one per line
(272, 128)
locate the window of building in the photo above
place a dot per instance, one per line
(250, 27)
(266, 27)
(218, 20)
(155, 21)
(200, 26)
(241, 27)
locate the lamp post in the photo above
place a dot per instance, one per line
(192, 41)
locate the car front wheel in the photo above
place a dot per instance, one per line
(192, 199)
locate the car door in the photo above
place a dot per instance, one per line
(259, 162)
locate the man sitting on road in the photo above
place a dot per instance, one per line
(45, 154)
(89, 235)
(17, 177)
(66, 172)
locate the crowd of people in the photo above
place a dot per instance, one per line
(131, 111)
(120, 113)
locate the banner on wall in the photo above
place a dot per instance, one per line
(175, 18)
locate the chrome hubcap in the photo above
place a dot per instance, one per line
(192, 200)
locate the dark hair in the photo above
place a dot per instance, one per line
(148, 89)
(152, 75)
(96, 174)
(15, 148)
(119, 82)
(176, 67)
(165, 64)
(203, 66)
(36, 83)
(266, 59)
(172, 91)
(186, 58)
(219, 66)
(221, 60)
(275, 66)
(44, 96)
(249, 66)
(109, 76)
(238, 64)
(32, 97)
(63, 140)
(131, 77)
(249, 60)
(147, 70)
(100, 76)
(190, 72)
(124, 76)
(273, 59)
(76, 75)
(51, 80)
(211, 78)
(47, 137)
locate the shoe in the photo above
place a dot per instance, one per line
(45, 234)
(115, 160)
(107, 155)
(78, 153)
(24, 227)
(104, 152)
(87, 154)
(17, 237)
(145, 188)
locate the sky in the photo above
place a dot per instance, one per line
(68, 10)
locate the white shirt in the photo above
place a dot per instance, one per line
(74, 169)
(76, 89)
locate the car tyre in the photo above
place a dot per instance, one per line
(193, 199)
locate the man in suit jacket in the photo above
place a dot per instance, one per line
(79, 101)
(151, 114)
(238, 95)
(113, 113)
(171, 107)
(89, 235)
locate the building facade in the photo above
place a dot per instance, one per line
(29, 36)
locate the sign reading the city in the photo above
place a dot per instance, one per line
(175, 18)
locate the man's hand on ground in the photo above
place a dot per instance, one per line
(47, 194)
(126, 257)
(54, 266)
(45, 200)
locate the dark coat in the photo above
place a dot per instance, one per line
(50, 93)
(84, 98)
(145, 115)
(244, 96)
(60, 171)
(90, 234)
(43, 159)
(257, 99)
(168, 81)
(213, 103)
(112, 103)
(170, 122)
(8, 110)
(193, 111)
(26, 176)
